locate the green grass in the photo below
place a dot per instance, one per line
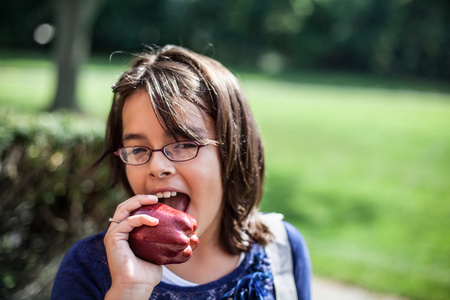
(365, 174)
(363, 171)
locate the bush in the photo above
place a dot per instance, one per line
(47, 200)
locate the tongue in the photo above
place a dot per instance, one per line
(180, 201)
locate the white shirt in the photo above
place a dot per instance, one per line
(171, 278)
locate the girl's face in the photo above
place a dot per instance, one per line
(197, 182)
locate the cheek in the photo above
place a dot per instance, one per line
(209, 180)
(135, 179)
(208, 177)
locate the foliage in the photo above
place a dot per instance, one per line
(401, 37)
(47, 202)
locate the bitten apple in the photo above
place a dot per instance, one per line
(170, 242)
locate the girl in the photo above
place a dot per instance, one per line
(172, 99)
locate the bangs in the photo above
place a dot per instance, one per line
(176, 94)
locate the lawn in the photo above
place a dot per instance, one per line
(363, 170)
(365, 174)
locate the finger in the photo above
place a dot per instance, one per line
(127, 225)
(142, 199)
(125, 208)
(141, 220)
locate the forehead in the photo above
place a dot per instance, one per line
(180, 119)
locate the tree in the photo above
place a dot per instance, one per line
(74, 23)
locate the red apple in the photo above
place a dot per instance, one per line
(170, 242)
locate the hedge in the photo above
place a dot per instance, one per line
(47, 199)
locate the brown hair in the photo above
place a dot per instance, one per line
(172, 75)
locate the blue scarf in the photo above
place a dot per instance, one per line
(258, 284)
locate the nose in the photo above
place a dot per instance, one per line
(160, 166)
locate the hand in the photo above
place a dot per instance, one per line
(131, 277)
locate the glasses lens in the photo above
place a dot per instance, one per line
(181, 151)
(135, 155)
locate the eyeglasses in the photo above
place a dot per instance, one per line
(180, 151)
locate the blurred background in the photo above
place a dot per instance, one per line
(352, 98)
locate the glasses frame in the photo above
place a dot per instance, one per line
(150, 152)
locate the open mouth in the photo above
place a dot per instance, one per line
(175, 200)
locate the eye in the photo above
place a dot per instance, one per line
(185, 145)
(138, 150)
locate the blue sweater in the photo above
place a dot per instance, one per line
(84, 274)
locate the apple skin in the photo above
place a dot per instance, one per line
(170, 242)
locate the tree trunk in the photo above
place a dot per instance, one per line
(74, 23)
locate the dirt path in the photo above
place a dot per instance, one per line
(325, 289)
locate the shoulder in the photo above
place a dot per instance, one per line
(301, 261)
(83, 271)
(87, 250)
(289, 255)
(296, 240)
(286, 234)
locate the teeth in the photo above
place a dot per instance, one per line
(166, 194)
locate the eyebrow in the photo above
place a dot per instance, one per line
(133, 136)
